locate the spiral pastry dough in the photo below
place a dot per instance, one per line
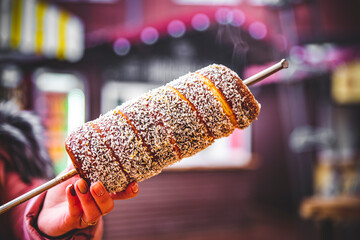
(139, 138)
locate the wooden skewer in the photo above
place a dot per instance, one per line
(267, 72)
(37, 191)
(249, 81)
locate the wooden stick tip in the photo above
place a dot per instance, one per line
(284, 63)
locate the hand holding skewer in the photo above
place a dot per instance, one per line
(64, 177)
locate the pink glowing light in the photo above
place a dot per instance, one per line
(122, 46)
(200, 22)
(223, 16)
(149, 35)
(176, 28)
(257, 30)
(238, 18)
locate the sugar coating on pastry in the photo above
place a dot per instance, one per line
(130, 150)
(205, 103)
(149, 123)
(181, 120)
(96, 161)
(237, 94)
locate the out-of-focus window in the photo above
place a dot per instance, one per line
(60, 102)
(11, 84)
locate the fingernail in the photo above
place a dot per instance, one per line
(98, 189)
(135, 188)
(72, 190)
(82, 186)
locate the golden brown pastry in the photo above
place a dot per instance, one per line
(136, 140)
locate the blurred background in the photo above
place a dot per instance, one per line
(294, 174)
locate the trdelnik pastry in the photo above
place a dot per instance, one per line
(139, 138)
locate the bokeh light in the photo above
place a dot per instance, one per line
(238, 18)
(200, 22)
(149, 35)
(223, 16)
(122, 46)
(257, 30)
(176, 28)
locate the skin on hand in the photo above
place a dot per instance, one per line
(73, 205)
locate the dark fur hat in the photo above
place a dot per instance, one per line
(22, 149)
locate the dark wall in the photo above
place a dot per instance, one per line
(201, 205)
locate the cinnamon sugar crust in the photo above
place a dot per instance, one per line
(138, 139)
(94, 159)
(190, 134)
(133, 155)
(205, 103)
(149, 123)
(237, 94)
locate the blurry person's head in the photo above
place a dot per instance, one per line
(21, 146)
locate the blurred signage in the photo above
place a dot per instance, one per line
(37, 27)
(336, 174)
(346, 83)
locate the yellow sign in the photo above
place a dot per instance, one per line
(36, 27)
(16, 16)
(346, 83)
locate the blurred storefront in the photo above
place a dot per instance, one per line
(73, 60)
(31, 33)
